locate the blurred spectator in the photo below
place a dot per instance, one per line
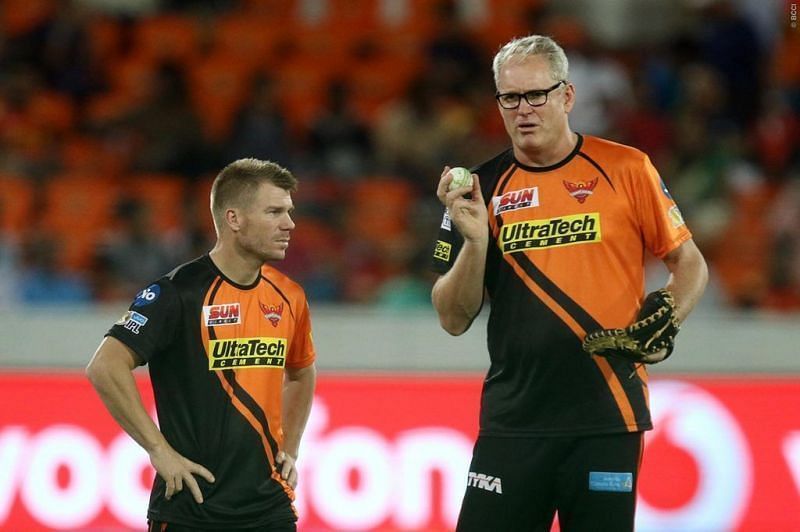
(417, 136)
(43, 282)
(408, 287)
(10, 269)
(641, 124)
(131, 255)
(165, 132)
(776, 134)
(453, 57)
(339, 142)
(728, 43)
(784, 276)
(67, 59)
(603, 86)
(259, 129)
(27, 146)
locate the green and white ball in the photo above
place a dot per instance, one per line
(461, 178)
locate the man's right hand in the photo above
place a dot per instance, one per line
(178, 471)
(468, 214)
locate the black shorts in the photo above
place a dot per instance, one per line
(517, 484)
(155, 526)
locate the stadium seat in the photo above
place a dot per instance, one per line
(91, 155)
(78, 210)
(79, 202)
(167, 37)
(16, 203)
(52, 111)
(164, 194)
(742, 256)
(377, 81)
(378, 208)
(218, 86)
(21, 16)
(252, 39)
(105, 38)
(301, 83)
(133, 77)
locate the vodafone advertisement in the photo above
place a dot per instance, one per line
(392, 453)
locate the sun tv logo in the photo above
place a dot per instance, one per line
(581, 190)
(227, 314)
(485, 482)
(272, 312)
(516, 199)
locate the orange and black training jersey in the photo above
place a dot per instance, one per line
(216, 352)
(566, 256)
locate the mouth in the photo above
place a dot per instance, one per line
(527, 127)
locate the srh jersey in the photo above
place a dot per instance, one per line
(217, 352)
(566, 256)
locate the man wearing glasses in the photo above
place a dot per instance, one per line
(555, 231)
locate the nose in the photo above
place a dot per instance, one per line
(288, 223)
(525, 107)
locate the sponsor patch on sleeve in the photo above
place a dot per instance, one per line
(664, 188)
(675, 216)
(442, 251)
(132, 321)
(147, 296)
(605, 481)
(446, 225)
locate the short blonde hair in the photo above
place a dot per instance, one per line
(235, 185)
(529, 46)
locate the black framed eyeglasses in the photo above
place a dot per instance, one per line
(537, 98)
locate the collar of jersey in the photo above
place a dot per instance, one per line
(230, 281)
(559, 164)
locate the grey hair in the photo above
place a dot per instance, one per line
(531, 45)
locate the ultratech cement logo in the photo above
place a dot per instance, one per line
(442, 251)
(549, 233)
(485, 482)
(227, 314)
(246, 353)
(516, 199)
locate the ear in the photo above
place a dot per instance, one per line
(569, 97)
(233, 219)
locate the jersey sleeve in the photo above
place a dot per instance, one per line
(663, 226)
(150, 322)
(448, 244)
(301, 351)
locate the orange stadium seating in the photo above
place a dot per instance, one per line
(78, 209)
(164, 195)
(218, 86)
(16, 203)
(167, 37)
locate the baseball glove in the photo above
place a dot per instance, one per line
(654, 329)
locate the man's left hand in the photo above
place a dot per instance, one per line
(287, 468)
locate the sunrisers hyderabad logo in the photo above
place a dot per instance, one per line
(581, 190)
(272, 312)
